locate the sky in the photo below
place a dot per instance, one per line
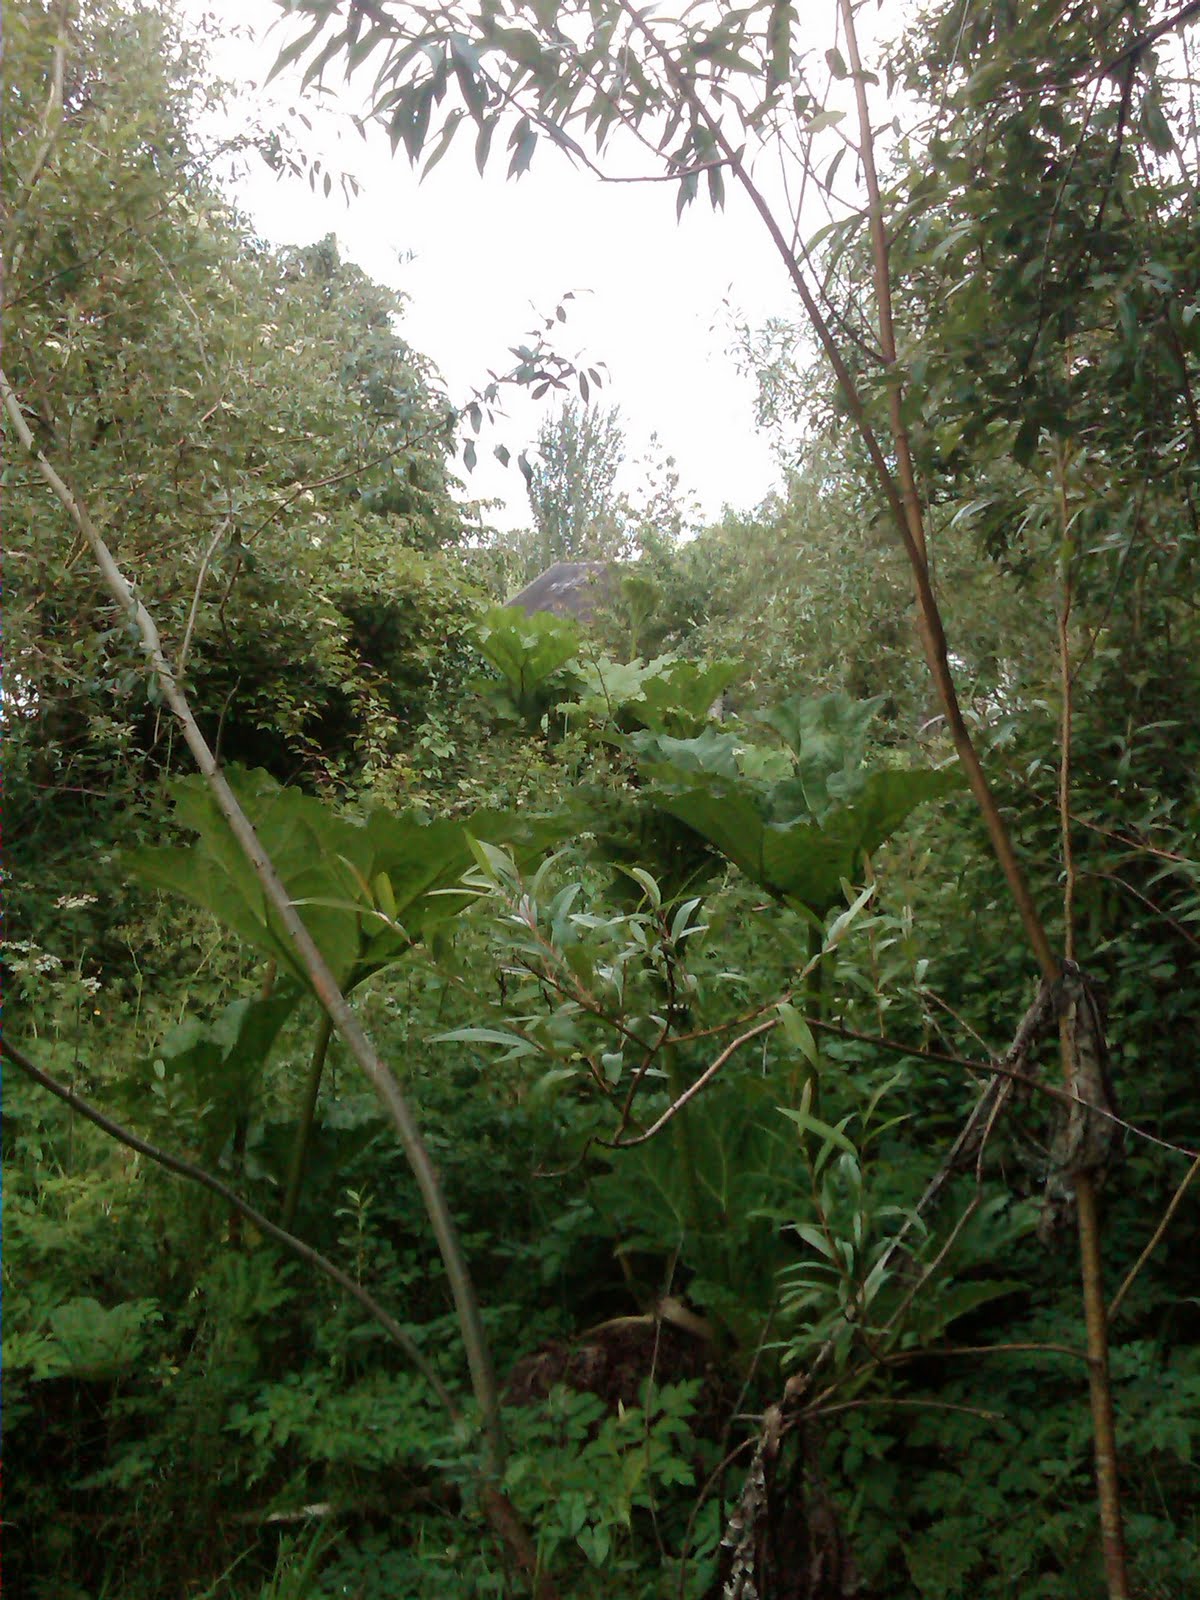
(483, 261)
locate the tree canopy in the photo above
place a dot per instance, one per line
(572, 488)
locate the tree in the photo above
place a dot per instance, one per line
(278, 450)
(154, 371)
(572, 489)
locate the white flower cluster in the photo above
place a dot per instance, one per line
(20, 956)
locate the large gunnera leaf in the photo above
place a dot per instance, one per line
(365, 887)
(797, 822)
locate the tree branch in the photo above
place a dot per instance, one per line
(693, 1089)
(1152, 35)
(1155, 1238)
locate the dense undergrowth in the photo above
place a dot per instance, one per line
(690, 1007)
(173, 1381)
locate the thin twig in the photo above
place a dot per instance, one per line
(1011, 1347)
(883, 288)
(890, 1402)
(1153, 1242)
(1172, 922)
(1010, 1067)
(1144, 40)
(193, 613)
(693, 1089)
(705, 1490)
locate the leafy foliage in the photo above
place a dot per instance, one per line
(272, 451)
(800, 830)
(697, 1144)
(368, 889)
(528, 651)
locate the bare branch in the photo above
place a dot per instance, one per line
(1154, 1240)
(694, 1089)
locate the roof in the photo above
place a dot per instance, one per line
(569, 589)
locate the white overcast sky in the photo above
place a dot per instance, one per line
(480, 259)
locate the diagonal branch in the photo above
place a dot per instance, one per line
(1154, 1240)
(194, 1174)
(1186, 13)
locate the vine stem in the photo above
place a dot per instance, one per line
(325, 986)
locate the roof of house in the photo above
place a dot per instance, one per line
(569, 589)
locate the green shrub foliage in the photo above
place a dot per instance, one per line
(679, 928)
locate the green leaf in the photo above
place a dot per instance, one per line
(814, 1237)
(527, 651)
(480, 1036)
(212, 1074)
(936, 1313)
(779, 39)
(327, 861)
(823, 120)
(522, 155)
(495, 864)
(641, 877)
(828, 735)
(678, 699)
(807, 1123)
(94, 1342)
(1158, 129)
(673, 760)
(840, 925)
(798, 1033)
(767, 828)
